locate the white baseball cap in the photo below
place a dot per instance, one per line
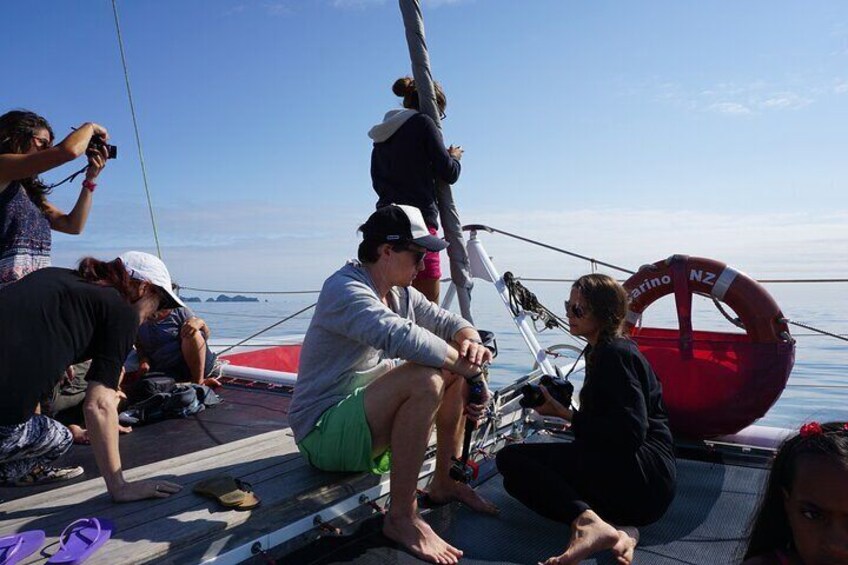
(149, 268)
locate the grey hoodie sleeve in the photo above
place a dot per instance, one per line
(353, 310)
(443, 323)
(446, 167)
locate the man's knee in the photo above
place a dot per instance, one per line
(427, 383)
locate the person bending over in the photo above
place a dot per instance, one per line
(620, 468)
(803, 515)
(174, 343)
(26, 216)
(380, 364)
(53, 318)
(409, 155)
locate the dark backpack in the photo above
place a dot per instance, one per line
(181, 401)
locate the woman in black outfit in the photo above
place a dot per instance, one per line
(620, 468)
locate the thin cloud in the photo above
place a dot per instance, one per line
(269, 8)
(743, 99)
(786, 100)
(365, 4)
(732, 108)
(357, 4)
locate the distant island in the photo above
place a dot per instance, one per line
(236, 298)
(191, 299)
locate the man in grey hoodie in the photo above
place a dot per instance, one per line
(380, 365)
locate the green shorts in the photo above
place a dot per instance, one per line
(341, 439)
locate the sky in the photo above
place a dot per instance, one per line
(626, 131)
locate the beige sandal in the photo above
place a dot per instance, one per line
(229, 492)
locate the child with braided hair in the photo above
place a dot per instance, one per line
(803, 516)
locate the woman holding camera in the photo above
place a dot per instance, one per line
(620, 468)
(26, 216)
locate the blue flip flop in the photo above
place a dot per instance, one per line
(80, 539)
(18, 546)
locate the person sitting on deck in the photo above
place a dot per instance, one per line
(53, 318)
(803, 515)
(379, 365)
(174, 343)
(65, 402)
(620, 468)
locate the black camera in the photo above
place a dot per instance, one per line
(559, 389)
(97, 142)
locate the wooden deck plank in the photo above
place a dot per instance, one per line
(187, 524)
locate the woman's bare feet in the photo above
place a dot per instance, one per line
(625, 547)
(589, 535)
(419, 538)
(450, 491)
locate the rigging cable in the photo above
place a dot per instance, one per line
(274, 325)
(811, 328)
(135, 127)
(249, 291)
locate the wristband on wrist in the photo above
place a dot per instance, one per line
(87, 184)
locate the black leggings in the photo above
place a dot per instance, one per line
(559, 481)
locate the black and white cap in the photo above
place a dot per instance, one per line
(399, 224)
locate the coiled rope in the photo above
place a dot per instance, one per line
(520, 298)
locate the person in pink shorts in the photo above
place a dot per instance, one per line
(409, 155)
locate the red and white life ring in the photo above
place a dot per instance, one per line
(756, 309)
(713, 382)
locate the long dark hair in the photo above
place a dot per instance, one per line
(770, 529)
(16, 130)
(110, 273)
(405, 88)
(607, 301)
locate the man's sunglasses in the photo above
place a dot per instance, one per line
(418, 254)
(575, 309)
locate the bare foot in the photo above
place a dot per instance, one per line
(625, 547)
(419, 538)
(124, 429)
(589, 535)
(450, 491)
(79, 434)
(212, 382)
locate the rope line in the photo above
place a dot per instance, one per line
(135, 128)
(811, 328)
(272, 326)
(594, 262)
(250, 291)
(239, 315)
(761, 281)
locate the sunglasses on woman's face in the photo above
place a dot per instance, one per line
(574, 309)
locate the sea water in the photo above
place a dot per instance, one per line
(817, 388)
